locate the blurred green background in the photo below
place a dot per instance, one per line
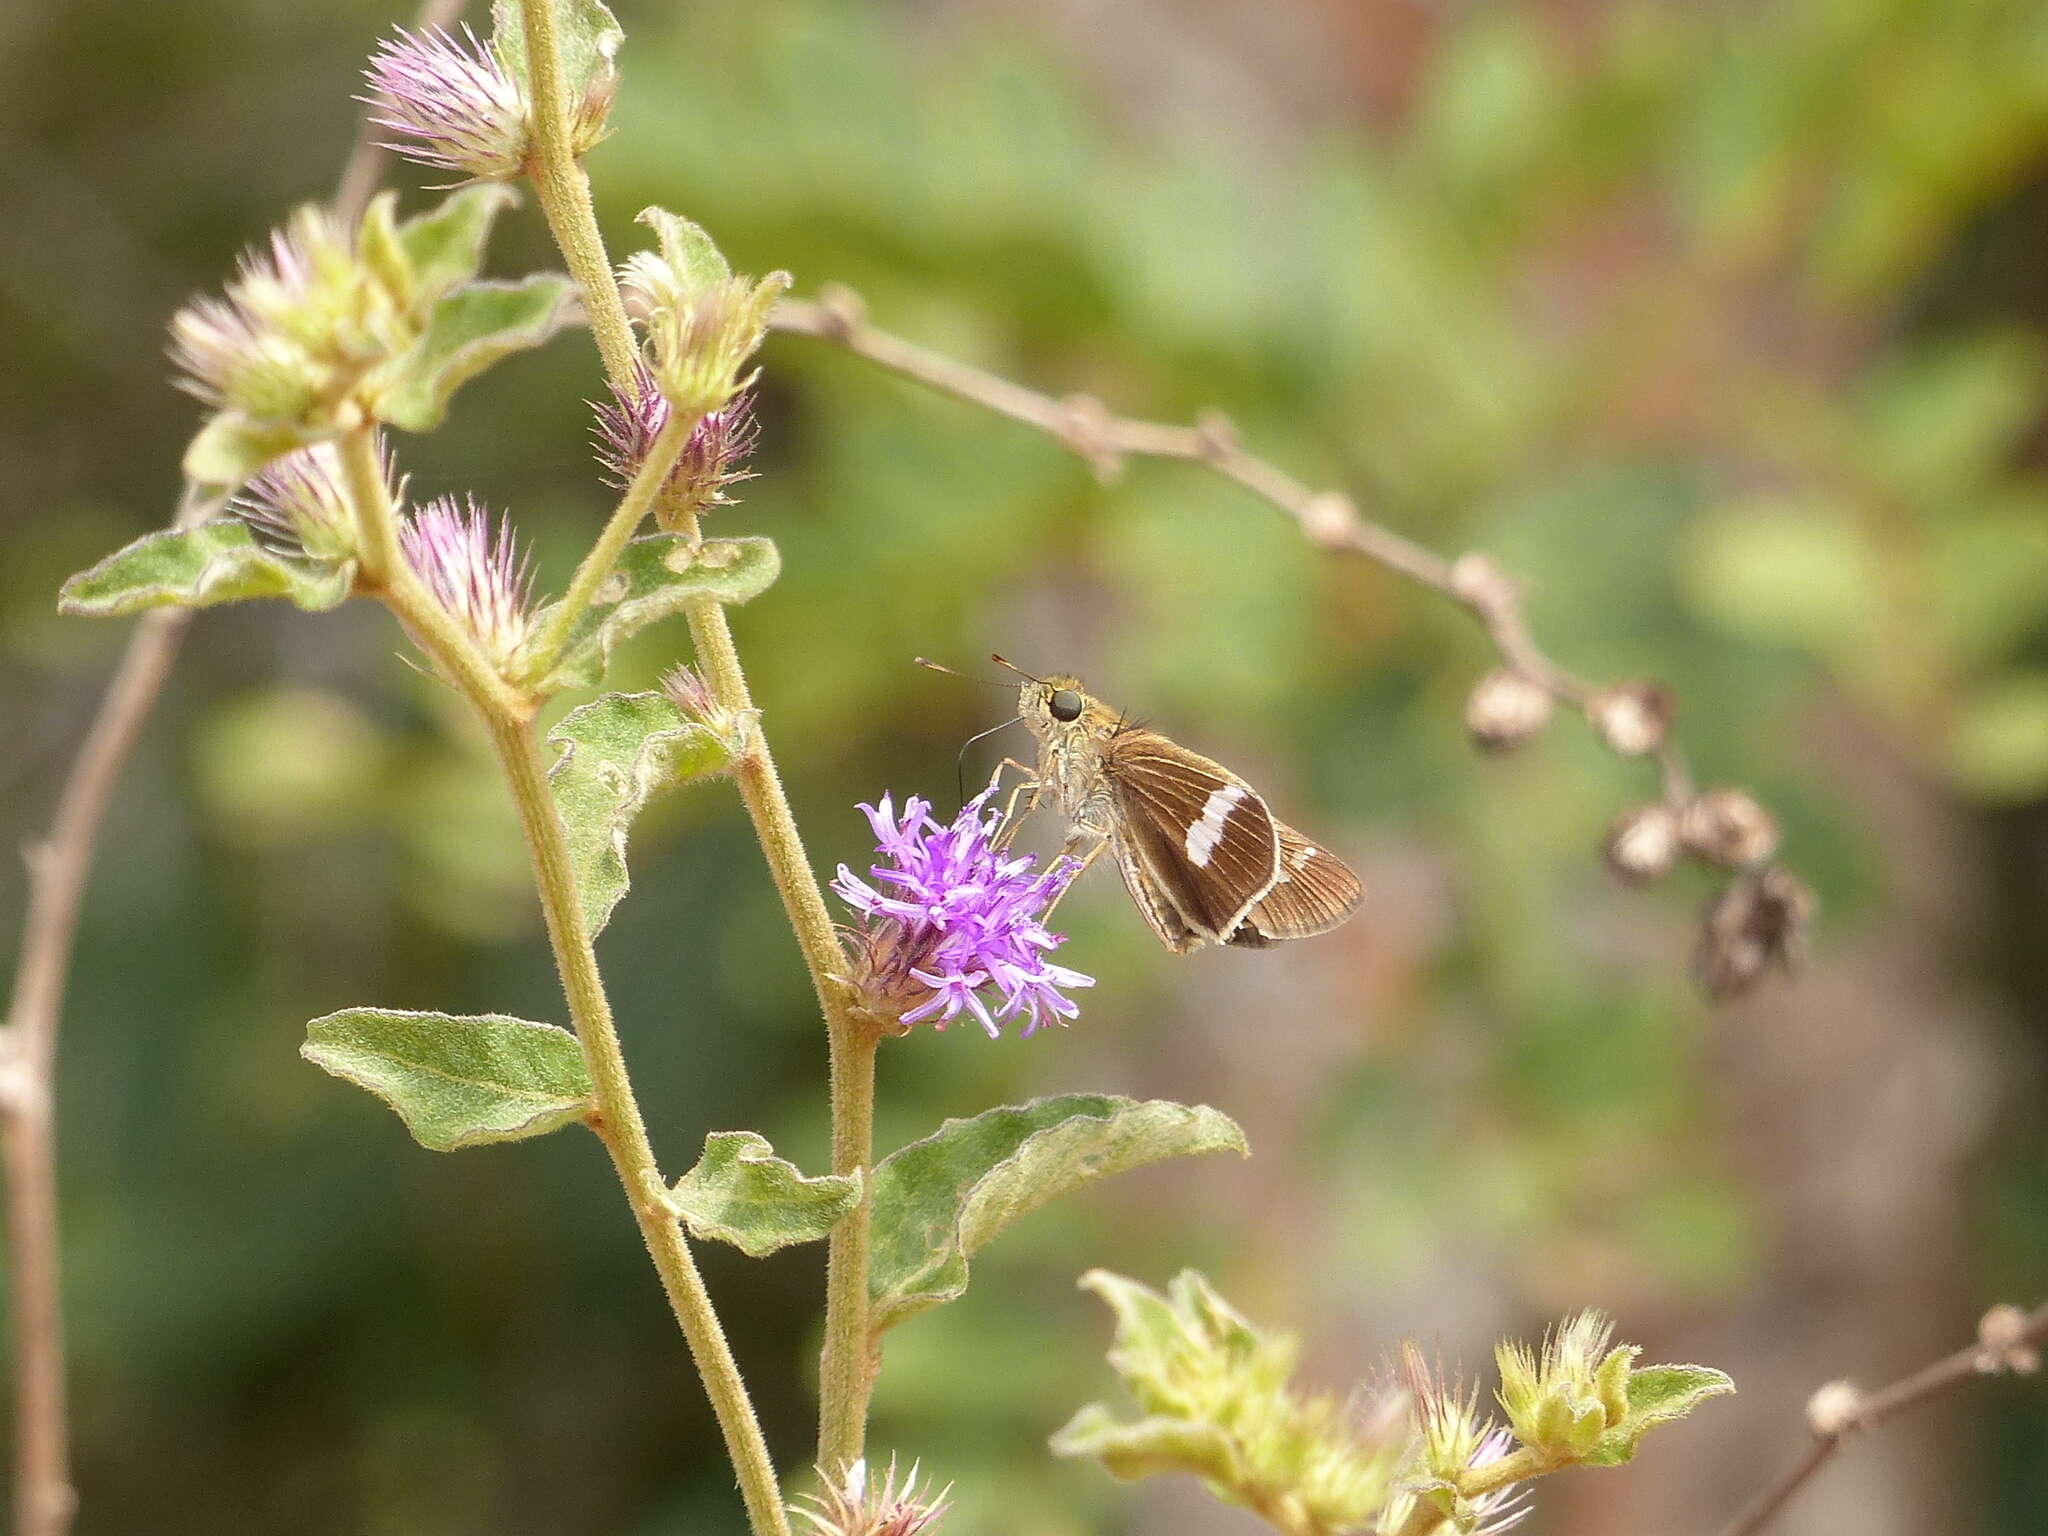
(1718, 324)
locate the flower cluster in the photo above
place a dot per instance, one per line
(712, 459)
(295, 330)
(478, 576)
(855, 1506)
(958, 924)
(701, 323)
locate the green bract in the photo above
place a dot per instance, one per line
(939, 1200)
(617, 753)
(1216, 1402)
(655, 578)
(741, 1193)
(329, 328)
(1577, 1400)
(457, 1082)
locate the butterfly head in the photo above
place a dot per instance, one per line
(1058, 708)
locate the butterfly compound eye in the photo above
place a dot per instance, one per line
(1065, 704)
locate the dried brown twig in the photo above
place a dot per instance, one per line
(58, 867)
(1754, 926)
(2007, 1340)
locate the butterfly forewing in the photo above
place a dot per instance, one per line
(1315, 892)
(1195, 832)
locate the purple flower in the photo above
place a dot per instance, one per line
(451, 103)
(480, 578)
(710, 461)
(854, 1506)
(298, 504)
(953, 924)
(1505, 1508)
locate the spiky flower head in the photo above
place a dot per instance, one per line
(451, 102)
(296, 329)
(1449, 1441)
(1562, 1398)
(712, 459)
(854, 1505)
(701, 323)
(299, 503)
(479, 576)
(957, 926)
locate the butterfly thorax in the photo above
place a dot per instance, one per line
(1070, 753)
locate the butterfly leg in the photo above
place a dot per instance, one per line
(1074, 841)
(1011, 819)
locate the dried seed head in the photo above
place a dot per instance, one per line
(1643, 845)
(1505, 709)
(2003, 1344)
(712, 460)
(1632, 717)
(1758, 924)
(1728, 828)
(1833, 1408)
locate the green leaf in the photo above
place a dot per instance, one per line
(445, 245)
(1150, 1447)
(741, 1193)
(230, 447)
(688, 249)
(654, 579)
(217, 562)
(457, 1082)
(618, 752)
(379, 248)
(939, 1200)
(467, 331)
(1657, 1394)
(587, 36)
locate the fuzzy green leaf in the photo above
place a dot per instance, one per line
(741, 1193)
(654, 579)
(939, 1200)
(445, 246)
(467, 331)
(688, 248)
(230, 447)
(1149, 1447)
(587, 36)
(217, 562)
(457, 1082)
(1657, 1394)
(618, 752)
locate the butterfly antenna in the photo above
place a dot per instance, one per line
(1008, 665)
(986, 682)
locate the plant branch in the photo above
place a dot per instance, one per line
(619, 1124)
(846, 1369)
(625, 521)
(564, 192)
(58, 867)
(2007, 1339)
(1328, 519)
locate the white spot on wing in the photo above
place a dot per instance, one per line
(1207, 831)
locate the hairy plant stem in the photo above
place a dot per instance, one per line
(625, 521)
(507, 715)
(564, 192)
(846, 1372)
(846, 1367)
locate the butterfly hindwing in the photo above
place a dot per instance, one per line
(1315, 892)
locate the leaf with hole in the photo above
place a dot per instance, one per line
(657, 577)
